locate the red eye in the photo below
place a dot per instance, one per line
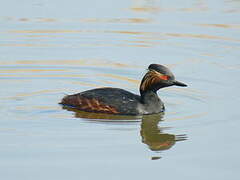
(164, 77)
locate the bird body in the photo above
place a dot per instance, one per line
(113, 101)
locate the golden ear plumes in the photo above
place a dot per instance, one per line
(152, 77)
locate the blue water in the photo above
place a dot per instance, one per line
(49, 49)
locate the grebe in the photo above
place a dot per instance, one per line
(122, 102)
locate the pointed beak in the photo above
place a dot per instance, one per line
(177, 83)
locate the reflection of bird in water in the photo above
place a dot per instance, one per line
(153, 136)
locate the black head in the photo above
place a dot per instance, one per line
(158, 76)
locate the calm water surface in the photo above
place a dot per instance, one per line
(52, 48)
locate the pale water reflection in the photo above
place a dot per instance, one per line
(151, 133)
(52, 48)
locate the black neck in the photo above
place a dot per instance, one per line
(149, 97)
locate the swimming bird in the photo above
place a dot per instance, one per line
(121, 102)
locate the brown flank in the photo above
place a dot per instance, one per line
(89, 105)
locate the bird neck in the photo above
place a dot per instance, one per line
(149, 97)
